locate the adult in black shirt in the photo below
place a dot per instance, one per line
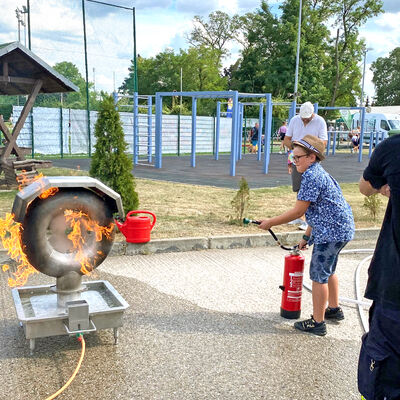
(379, 363)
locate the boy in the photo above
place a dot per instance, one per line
(330, 227)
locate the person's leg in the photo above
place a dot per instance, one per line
(333, 288)
(320, 298)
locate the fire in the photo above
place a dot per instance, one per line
(25, 179)
(79, 222)
(49, 192)
(10, 234)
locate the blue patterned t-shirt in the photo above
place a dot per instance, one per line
(328, 214)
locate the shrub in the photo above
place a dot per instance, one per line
(372, 204)
(110, 164)
(240, 202)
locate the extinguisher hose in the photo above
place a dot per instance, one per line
(247, 221)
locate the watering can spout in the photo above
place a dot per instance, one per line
(136, 228)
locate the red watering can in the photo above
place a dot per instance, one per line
(137, 229)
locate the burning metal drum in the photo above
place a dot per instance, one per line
(67, 230)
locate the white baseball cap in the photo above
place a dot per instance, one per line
(306, 110)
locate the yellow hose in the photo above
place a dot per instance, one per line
(82, 340)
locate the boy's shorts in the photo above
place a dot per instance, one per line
(324, 259)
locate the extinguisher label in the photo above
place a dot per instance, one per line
(295, 286)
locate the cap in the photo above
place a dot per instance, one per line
(312, 143)
(306, 110)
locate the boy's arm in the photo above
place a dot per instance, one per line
(296, 212)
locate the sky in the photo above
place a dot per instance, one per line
(57, 32)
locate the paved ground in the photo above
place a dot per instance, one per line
(201, 325)
(344, 167)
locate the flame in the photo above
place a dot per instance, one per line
(24, 180)
(10, 234)
(79, 221)
(49, 192)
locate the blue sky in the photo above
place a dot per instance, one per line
(57, 33)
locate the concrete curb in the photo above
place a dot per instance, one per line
(219, 242)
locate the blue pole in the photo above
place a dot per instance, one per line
(292, 110)
(267, 132)
(235, 111)
(217, 129)
(360, 147)
(240, 135)
(260, 129)
(115, 97)
(334, 143)
(149, 128)
(371, 142)
(328, 144)
(158, 133)
(316, 108)
(194, 112)
(135, 129)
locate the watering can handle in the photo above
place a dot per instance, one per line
(143, 212)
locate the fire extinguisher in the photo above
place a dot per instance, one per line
(292, 278)
(292, 285)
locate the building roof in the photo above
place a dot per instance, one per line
(20, 68)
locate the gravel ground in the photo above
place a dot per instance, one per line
(201, 325)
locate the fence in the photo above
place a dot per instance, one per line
(58, 131)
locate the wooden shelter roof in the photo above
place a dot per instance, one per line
(20, 69)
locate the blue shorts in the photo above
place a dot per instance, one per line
(379, 362)
(324, 259)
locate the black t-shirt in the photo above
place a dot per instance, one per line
(254, 134)
(384, 271)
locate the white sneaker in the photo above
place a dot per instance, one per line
(303, 226)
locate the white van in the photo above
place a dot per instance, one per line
(377, 122)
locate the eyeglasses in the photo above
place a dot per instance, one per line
(297, 158)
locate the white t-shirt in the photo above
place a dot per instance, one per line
(316, 127)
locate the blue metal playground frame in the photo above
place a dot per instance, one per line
(236, 138)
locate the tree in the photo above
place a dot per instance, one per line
(110, 164)
(347, 47)
(200, 70)
(214, 33)
(386, 79)
(70, 99)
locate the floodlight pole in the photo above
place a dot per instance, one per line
(135, 82)
(87, 79)
(296, 76)
(28, 7)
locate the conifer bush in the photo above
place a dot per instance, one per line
(240, 202)
(110, 164)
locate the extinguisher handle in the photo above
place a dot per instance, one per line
(247, 221)
(143, 212)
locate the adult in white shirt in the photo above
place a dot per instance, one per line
(305, 123)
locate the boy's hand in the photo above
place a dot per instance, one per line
(303, 244)
(265, 224)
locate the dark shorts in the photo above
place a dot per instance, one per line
(379, 362)
(296, 179)
(324, 260)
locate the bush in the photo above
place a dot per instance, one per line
(110, 164)
(372, 204)
(240, 202)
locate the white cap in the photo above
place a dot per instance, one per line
(306, 110)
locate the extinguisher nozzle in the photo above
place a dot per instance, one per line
(282, 288)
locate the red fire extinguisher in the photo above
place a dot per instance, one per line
(292, 278)
(292, 285)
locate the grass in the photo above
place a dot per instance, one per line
(191, 211)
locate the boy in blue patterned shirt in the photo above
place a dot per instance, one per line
(330, 227)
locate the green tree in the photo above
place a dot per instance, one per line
(216, 33)
(386, 79)
(110, 163)
(346, 47)
(70, 99)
